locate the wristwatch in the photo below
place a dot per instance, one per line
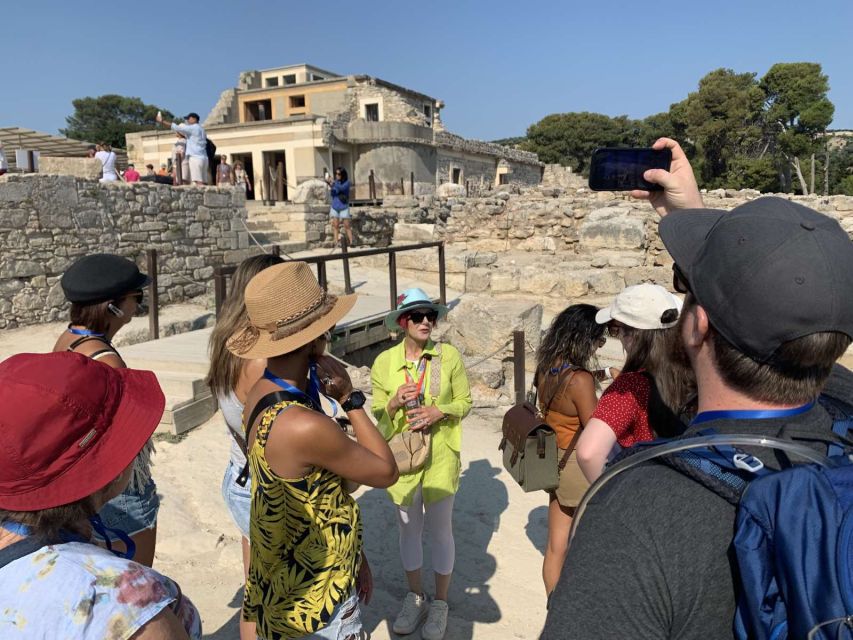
(356, 400)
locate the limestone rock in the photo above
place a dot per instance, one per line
(413, 233)
(539, 244)
(450, 190)
(477, 279)
(612, 228)
(489, 373)
(311, 191)
(504, 280)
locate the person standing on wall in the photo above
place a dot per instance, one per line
(196, 145)
(339, 212)
(421, 386)
(108, 162)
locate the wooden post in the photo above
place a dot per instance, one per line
(518, 366)
(412, 183)
(392, 278)
(467, 188)
(372, 180)
(347, 282)
(442, 281)
(279, 182)
(219, 289)
(153, 297)
(267, 186)
(402, 187)
(179, 170)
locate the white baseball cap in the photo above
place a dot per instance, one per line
(641, 306)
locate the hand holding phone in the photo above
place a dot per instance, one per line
(618, 169)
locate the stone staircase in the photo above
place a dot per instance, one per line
(292, 226)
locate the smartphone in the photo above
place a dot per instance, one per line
(621, 169)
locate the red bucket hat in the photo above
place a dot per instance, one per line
(69, 426)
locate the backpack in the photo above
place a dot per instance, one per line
(210, 150)
(793, 538)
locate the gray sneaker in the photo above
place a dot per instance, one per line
(436, 623)
(415, 608)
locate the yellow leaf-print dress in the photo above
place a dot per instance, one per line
(306, 545)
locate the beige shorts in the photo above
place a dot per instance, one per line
(573, 483)
(198, 169)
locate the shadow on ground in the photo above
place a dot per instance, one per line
(481, 500)
(231, 629)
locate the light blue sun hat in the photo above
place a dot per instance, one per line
(409, 300)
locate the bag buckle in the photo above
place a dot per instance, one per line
(747, 462)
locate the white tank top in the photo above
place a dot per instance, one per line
(232, 413)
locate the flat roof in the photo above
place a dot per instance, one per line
(46, 144)
(297, 66)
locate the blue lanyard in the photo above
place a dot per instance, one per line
(749, 414)
(555, 370)
(313, 395)
(65, 536)
(84, 332)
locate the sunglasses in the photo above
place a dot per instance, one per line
(138, 295)
(679, 281)
(418, 316)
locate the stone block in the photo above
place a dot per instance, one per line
(489, 373)
(656, 275)
(311, 192)
(216, 199)
(540, 281)
(450, 190)
(89, 168)
(504, 280)
(605, 281)
(414, 233)
(478, 279)
(612, 228)
(15, 268)
(844, 204)
(538, 244)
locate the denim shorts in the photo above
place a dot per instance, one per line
(132, 512)
(238, 499)
(343, 214)
(345, 623)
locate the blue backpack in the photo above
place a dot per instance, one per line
(793, 536)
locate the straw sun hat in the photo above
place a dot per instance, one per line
(287, 309)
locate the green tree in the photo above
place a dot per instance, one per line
(723, 119)
(570, 138)
(108, 118)
(797, 113)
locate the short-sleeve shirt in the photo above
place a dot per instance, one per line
(625, 408)
(78, 590)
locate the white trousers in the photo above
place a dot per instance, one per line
(439, 520)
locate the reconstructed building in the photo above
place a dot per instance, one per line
(309, 120)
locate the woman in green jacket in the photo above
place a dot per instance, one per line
(419, 385)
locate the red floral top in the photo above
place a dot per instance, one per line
(625, 408)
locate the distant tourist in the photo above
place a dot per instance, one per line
(340, 188)
(91, 150)
(196, 145)
(71, 429)
(149, 170)
(108, 162)
(105, 292)
(420, 386)
(4, 165)
(131, 175)
(224, 173)
(307, 570)
(230, 379)
(241, 178)
(163, 171)
(180, 159)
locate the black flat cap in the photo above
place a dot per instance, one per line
(101, 277)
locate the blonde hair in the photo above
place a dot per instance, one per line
(225, 367)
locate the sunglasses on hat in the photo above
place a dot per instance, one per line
(418, 316)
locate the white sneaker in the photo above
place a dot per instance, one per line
(414, 610)
(436, 623)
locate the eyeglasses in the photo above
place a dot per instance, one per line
(679, 281)
(418, 316)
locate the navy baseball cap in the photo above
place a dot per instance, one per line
(192, 114)
(766, 272)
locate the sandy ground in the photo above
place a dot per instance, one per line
(500, 532)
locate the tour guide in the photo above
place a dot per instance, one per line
(419, 385)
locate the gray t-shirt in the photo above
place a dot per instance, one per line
(650, 558)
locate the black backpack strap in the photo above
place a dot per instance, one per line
(262, 405)
(20, 549)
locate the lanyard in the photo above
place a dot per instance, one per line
(555, 370)
(84, 332)
(313, 395)
(421, 373)
(100, 528)
(760, 414)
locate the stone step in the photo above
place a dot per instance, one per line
(181, 384)
(182, 415)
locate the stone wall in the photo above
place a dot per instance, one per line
(46, 222)
(398, 104)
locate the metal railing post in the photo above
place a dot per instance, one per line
(392, 278)
(276, 250)
(518, 365)
(153, 297)
(219, 289)
(344, 249)
(442, 278)
(412, 182)
(321, 275)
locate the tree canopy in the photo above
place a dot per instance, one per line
(108, 118)
(738, 131)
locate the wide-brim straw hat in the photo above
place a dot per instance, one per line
(287, 309)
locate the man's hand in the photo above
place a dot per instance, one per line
(423, 417)
(679, 184)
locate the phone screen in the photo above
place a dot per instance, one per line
(615, 169)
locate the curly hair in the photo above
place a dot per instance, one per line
(572, 338)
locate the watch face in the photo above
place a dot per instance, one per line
(355, 401)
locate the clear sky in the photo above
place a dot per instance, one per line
(499, 66)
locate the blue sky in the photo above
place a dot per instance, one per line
(499, 66)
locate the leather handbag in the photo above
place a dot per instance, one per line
(529, 445)
(411, 448)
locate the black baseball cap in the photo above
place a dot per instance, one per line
(101, 277)
(192, 114)
(766, 272)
